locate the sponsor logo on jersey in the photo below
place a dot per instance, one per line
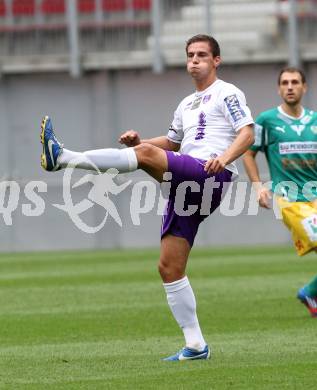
(280, 128)
(206, 99)
(313, 129)
(234, 108)
(196, 103)
(297, 147)
(295, 163)
(298, 129)
(310, 226)
(306, 119)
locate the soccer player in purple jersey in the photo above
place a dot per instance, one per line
(211, 128)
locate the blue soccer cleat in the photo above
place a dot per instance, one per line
(309, 301)
(190, 354)
(51, 147)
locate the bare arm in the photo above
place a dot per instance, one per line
(132, 138)
(162, 142)
(251, 167)
(244, 139)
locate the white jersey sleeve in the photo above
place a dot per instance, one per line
(234, 108)
(175, 131)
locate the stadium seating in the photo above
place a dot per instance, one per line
(2, 8)
(23, 7)
(253, 25)
(141, 5)
(53, 6)
(305, 9)
(246, 29)
(114, 5)
(59, 6)
(86, 6)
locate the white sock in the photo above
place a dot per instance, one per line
(182, 303)
(124, 160)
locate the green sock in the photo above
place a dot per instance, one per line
(311, 287)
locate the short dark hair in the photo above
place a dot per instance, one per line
(291, 69)
(213, 44)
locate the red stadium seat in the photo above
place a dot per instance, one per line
(23, 7)
(86, 6)
(141, 4)
(2, 8)
(53, 6)
(59, 6)
(114, 5)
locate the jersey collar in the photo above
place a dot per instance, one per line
(280, 109)
(200, 93)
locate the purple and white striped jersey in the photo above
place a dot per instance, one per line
(206, 122)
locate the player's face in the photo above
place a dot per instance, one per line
(291, 88)
(200, 62)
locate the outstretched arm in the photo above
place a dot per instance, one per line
(132, 138)
(251, 167)
(244, 139)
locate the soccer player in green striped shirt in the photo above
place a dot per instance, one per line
(287, 134)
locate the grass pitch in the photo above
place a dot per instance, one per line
(99, 320)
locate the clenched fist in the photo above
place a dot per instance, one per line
(130, 138)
